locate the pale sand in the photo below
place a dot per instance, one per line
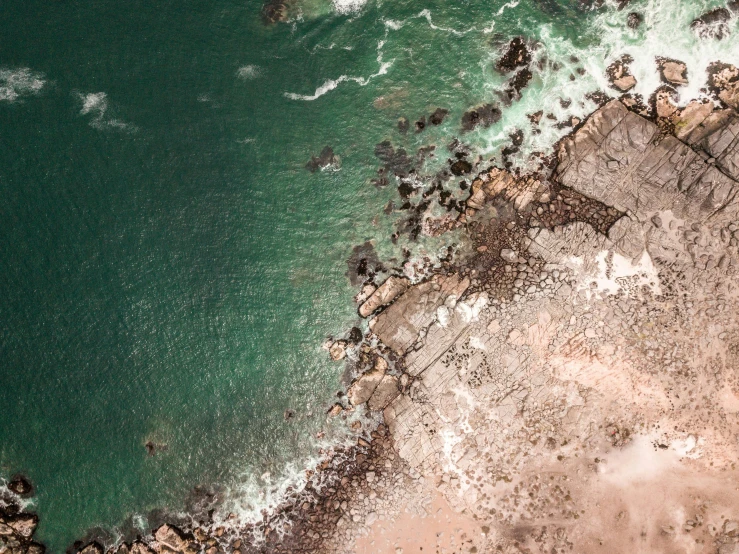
(441, 530)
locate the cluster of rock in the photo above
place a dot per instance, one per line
(585, 331)
(17, 526)
(570, 334)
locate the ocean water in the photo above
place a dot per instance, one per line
(170, 268)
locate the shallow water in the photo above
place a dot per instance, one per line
(170, 268)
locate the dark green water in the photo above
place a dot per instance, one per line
(169, 268)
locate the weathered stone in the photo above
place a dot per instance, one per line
(24, 525)
(385, 392)
(92, 548)
(140, 548)
(674, 72)
(364, 386)
(625, 83)
(337, 350)
(171, 538)
(399, 325)
(385, 293)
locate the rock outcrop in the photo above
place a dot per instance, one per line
(384, 294)
(589, 349)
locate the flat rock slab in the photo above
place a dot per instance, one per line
(386, 293)
(399, 325)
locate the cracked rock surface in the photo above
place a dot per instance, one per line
(575, 386)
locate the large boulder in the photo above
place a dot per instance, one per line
(23, 525)
(386, 293)
(364, 386)
(673, 72)
(171, 538)
(399, 325)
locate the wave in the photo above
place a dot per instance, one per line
(331, 84)
(348, 6)
(248, 72)
(16, 83)
(424, 14)
(96, 105)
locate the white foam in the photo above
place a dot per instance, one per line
(506, 6)
(331, 84)
(348, 6)
(16, 83)
(248, 72)
(426, 14)
(393, 25)
(257, 494)
(658, 36)
(95, 104)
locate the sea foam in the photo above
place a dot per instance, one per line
(557, 59)
(16, 83)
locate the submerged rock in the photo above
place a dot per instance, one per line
(634, 20)
(325, 159)
(460, 167)
(485, 116)
(362, 263)
(92, 548)
(403, 125)
(438, 116)
(274, 11)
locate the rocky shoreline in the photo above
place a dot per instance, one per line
(567, 378)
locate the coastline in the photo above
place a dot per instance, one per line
(427, 326)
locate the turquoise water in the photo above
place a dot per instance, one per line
(169, 267)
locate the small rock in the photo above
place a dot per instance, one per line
(634, 20)
(337, 351)
(508, 255)
(335, 410)
(21, 486)
(438, 116)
